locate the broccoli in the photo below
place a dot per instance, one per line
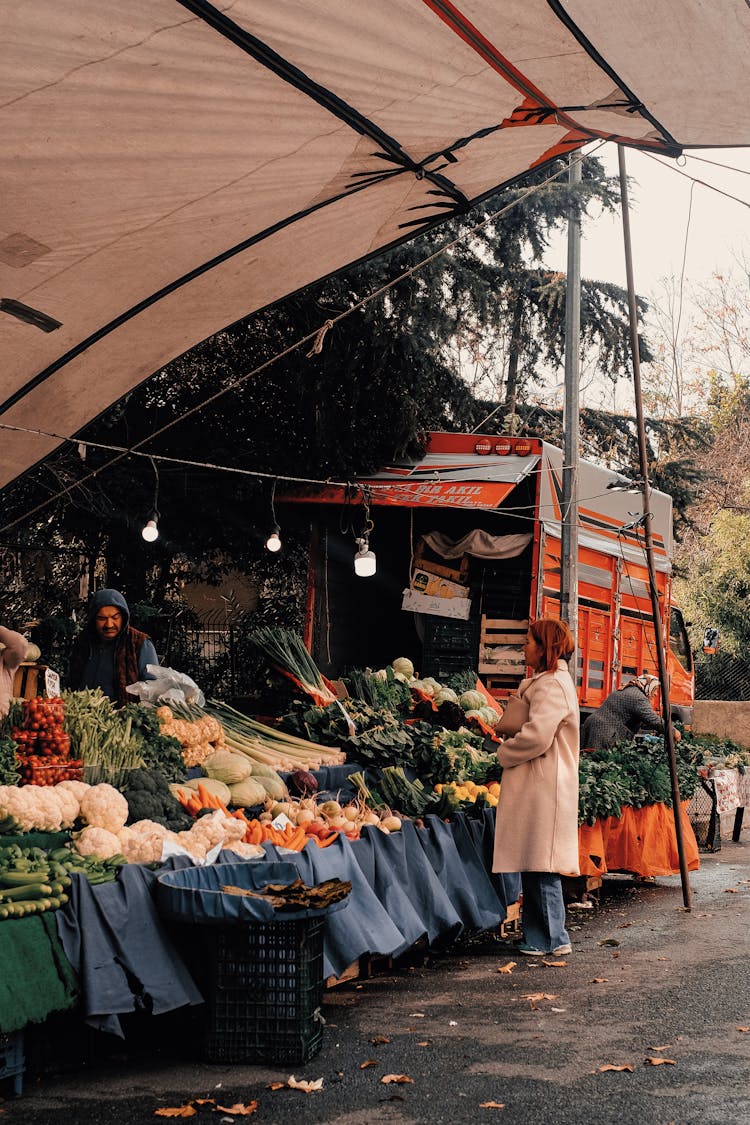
(148, 796)
(158, 751)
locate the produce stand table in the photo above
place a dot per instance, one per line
(36, 980)
(640, 841)
(421, 883)
(732, 795)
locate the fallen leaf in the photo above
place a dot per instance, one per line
(604, 980)
(374, 1062)
(731, 891)
(492, 1105)
(615, 1066)
(608, 941)
(238, 1110)
(416, 1015)
(616, 953)
(660, 1062)
(178, 1111)
(425, 1043)
(508, 967)
(532, 997)
(387, 1079)
(558, 1009)
(556, 964)
(666, 1047)
(662, 958)
(380, 1039)
(743, 1028)
(276, 1086)
(304, 1085)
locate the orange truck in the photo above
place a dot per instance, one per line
(467, 543)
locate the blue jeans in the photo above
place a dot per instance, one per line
(543, 910)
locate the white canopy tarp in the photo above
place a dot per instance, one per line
(169, 166)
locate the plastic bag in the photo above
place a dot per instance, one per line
(167, 686)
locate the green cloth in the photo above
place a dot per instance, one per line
(46, 840)
(36, 977)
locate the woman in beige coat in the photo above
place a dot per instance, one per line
(537, 814)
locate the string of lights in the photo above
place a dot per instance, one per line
(373, 486)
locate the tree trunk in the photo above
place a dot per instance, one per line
(514, 351)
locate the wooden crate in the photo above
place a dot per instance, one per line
(458, 573)
(505, 638)
(28, 681)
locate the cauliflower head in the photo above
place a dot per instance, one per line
(140, 847)
(69, 805)
(104, 807)
(98, 842)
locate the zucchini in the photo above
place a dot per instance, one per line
(22, 878)
(28, 893)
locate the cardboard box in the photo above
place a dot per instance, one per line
(423, 582)
(440, 607)
(459, 572)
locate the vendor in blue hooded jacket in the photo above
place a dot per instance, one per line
(109, 653)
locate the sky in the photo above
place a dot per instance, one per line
(717, 228)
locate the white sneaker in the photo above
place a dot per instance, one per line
(563, 950)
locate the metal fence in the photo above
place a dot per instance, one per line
(722, 676)
(215, 651)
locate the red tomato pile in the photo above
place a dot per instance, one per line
(43, 745)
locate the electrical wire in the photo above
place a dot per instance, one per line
(716, 164)
(695, 180)
(313, 336)
(676, 333)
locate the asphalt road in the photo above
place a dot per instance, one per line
(675, 986)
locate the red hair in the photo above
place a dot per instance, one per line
(555, 640)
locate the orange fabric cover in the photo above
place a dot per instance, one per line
(491, 701)
(641, 841)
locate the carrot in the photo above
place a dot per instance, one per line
(297, 840)
(326, 842)
(208, 799)
(255, 832)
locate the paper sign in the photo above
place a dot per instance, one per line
(281, 821)
(52, 683)
(440, 607)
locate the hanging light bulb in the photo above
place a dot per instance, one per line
(273, 543)
(365, 563)
(151, 531)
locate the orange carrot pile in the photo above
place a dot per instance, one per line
(293, 837)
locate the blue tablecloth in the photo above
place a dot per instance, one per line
(430, 882)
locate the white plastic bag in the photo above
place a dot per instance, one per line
(167, 686)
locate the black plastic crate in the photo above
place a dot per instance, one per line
(704, 816)
(264, 992)
(12, 1059)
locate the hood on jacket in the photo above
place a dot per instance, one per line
(108, 597)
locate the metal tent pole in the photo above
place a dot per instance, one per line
(571, 423)
(649, 541)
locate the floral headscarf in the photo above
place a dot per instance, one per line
(649, 685)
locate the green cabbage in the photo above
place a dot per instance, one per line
(247, 793)
(472, 700)
(211, 785)
(224, 765)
